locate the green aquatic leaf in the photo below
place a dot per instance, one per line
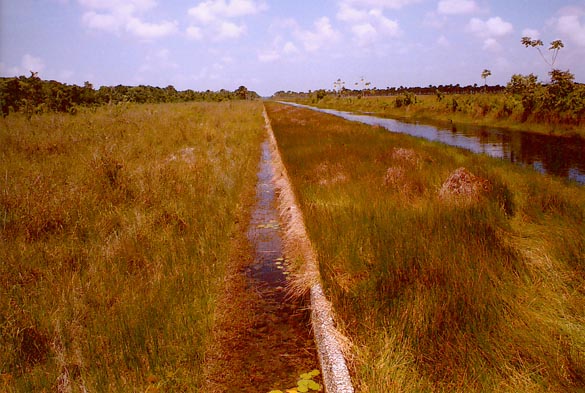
(303, 389)
(306, 376)
(275, 391)
(314, 373)
(303, 382)
(314, 385)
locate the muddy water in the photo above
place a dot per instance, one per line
(269, 268)
(563, 157)
(281, 346)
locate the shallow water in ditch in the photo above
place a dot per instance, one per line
(563, 157)
(280, 346)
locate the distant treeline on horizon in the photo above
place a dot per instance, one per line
(33, 95)
(391, 91)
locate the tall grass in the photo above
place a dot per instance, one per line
(440, 293)
(115, 235)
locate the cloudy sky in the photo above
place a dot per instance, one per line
(271, 45)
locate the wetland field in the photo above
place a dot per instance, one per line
(128, 258)
(448, 270)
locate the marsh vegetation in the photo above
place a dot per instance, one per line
(117, 229)
(449, 271)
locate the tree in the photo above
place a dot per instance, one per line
(485, 74)
(339, 85)
(555, 47)
(242, 93)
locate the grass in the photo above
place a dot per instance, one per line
(493, 110)
(440, 293)
(116, 229)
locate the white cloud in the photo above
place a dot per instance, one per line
(364, 33)
(322, 34)
(443, 41)
(157, 61)
(212, 10)
(229, 30)
(455, 7)
(115, 16)
(570, 23)
(367, 24)
(194, 32)
(28, 64)
(278, 51)
(32, 63)
(532, 33)
(140, 5)
(150, 30)
(268, 57)
(392, 4)
(107, 22)
(491, 44)
(217, 16)
(290, 49)
(348, 13)
(491, 28)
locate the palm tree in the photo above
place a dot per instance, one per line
(485, 74)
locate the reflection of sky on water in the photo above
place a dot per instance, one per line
(545, 154)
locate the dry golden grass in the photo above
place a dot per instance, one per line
(115, 232)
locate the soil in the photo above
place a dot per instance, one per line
(262, 339)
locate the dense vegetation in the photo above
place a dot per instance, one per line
(556, 107)
(440, 290)
(34, 95)
(116, 227)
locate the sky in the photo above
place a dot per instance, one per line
(298, 45)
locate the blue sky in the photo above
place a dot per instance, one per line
(271, 45)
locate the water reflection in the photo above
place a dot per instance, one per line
(564, 157)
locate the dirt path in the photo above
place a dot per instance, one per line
(262, 339)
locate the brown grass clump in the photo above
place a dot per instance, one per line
(465, 185)
(406, 156)
(402, 175)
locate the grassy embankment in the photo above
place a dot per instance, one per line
(116, 230)
(492, 110)
(440, 293)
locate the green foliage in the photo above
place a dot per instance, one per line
(408, 98)
(304, 384)
(555, 47)
(561, 100)
(485, 74)
(31, 95)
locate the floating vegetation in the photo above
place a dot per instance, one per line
(270, 225)
(304, 384)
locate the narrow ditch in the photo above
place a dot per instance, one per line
(281, 346)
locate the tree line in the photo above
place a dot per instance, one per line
(32, 95)
(392, 91)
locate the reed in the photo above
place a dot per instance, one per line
(115, 238)
(440, 290)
